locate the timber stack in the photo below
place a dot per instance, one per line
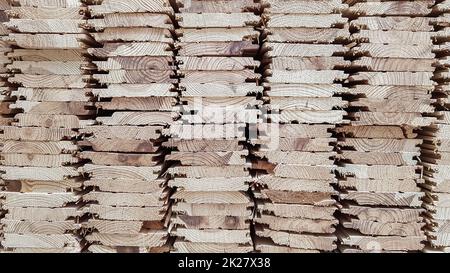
(127, 193)
(224, 126)
(303, 68)
(39, 166)
(436, 146)
(390, 95)
(217, 46)
(6, 114)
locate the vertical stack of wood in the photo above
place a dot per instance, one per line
(390, 95)
(42, 195)
(6, 114)
(304, 73)
(436, 146)
(128, 196)
(217, 47)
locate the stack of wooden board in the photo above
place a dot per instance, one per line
(218, 83)
(128, 197)
(436, 147)
(303, 75)
(231, 125)
(380, 197)
(6, 113)
(39, 166)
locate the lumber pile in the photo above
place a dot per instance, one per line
(436, 143)
(226, 126)
(303, 69)
(217, 45)
(42, 193)
(6, 114)
(389, 99)
(134, 66)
